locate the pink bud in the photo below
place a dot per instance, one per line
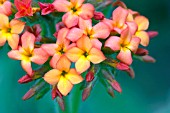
(131, 72)
(98, 15)
(122, 66)
(115, 86)
(29, 94)
(89, 76)
(148, 58)
(58, 26)
(152, 34)
(46, 8)
(141, 52)
(25, 79)
(61, 103)
(86, 92)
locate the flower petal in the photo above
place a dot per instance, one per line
(17, 26)
(114, 43)
(82, 64)
(74, 54)
(85, 24)
(96, 56)
(74, 77)
(96, 43)
(54, 60)
(64, 86)
(101, 30)
(133, 27)
(4, 21)
(2, 39)
(126, 36)
(6, 8)
(119, 16)
(49, 48)
(70, 19)
(86, 11)
(108, 22)
(52, 76)
(125, 56)
(13, 41)
(134, 43)
(63, 64)
(14, 54)
(61, 5)
(74, 34)
(28, 40)
(61, 37)
(77, 3)
(84, 43)
(144, 37)
(26, 65)
(39, 56)
(142, 22)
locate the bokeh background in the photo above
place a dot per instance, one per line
(149, 92)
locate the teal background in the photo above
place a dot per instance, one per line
(149, 92)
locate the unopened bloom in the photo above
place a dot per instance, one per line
(27, 53)
(46, 8)
(59, 48)
(63, 76)
(5, 7)
(126, 43)
(9, 31)
(75, 9)
(84, 53)
(24, 8)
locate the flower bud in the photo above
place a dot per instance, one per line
(61, 103)
(55, 93)
(110, 91)
(46, 8)
(40, 94)
(122, 66)
(29, 94)
(107, 75)
(89, 76)
(148, 59)
(141, 52)
(131, 72)
(152, 34)
(120, 3)
(115, 85)
(98, 15)
(25, 79)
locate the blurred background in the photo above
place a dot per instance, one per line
(149, 92)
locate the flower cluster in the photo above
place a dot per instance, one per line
(85, 42)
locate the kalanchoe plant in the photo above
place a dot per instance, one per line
(85, 47)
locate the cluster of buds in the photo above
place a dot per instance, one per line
(84, 42)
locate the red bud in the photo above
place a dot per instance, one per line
(55, 93)
(152, 34)
(148, 58)
(115, 86)
(122, 66)
(86, 92)
(131, 72)
(61, 103)
(141, 52)
(89, 76)
(98, 15)
(25, 79)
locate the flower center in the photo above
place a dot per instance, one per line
(2, 2)
(85, 54)
(63, 73)
(74, 9)
(8, 30)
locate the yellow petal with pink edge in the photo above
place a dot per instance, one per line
(74, 34)
(126, 36)
(52, 76)
(64, 86)
(70, 19)
(15, 54)
(86, 11)
(28, 40)
(74, 77)
(39, 56)
(2, 39)
(17, 26)
(62, 5)
(114, 43)
(49, 48)
(101, 30)
(85, 25)
(134, 43)
(63, 64)
(133, 27)
(61, 37)
(119, 16)
(4, 21)
(74, 54)
(77, 3)
(82, 64)
(125, 56)
(26, 65)
(96, 56)
(13, 40)
(144, 37)
(142, 22)
(84, 43)
(54, 60)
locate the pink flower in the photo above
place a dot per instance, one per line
(5, 7)
(27, 53)
(75, 9)
(46, 8)
(125, 43)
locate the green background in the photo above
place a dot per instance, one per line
(149, 92)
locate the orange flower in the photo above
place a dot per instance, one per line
(84, 53)
(27, 53)
(9, 31)
(63, 76)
